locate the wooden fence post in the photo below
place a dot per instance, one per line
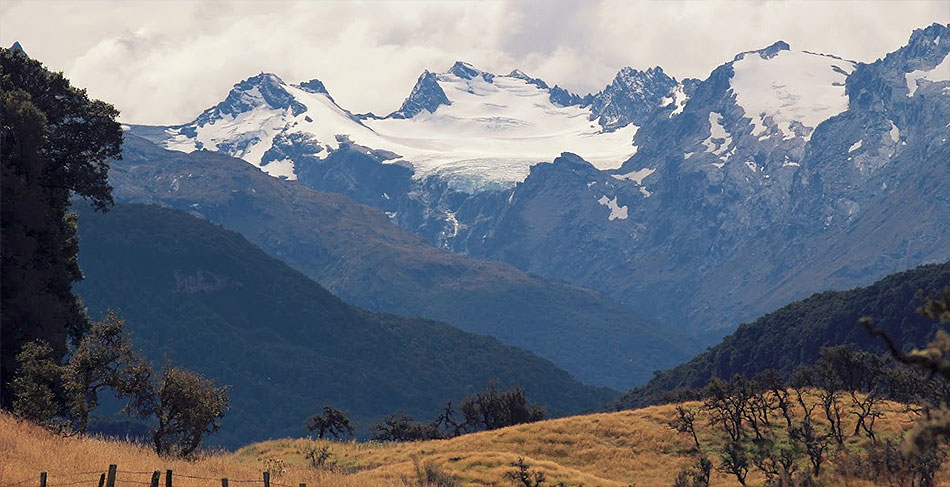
(266, 479)
(110, 480)
(155, 476)
(102, 480)
(42, 479)
(224, 482)
(168, 478)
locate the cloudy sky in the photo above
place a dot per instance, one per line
(162, 62)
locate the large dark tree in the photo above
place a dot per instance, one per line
(55, 143)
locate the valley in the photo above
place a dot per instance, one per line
(737, 275)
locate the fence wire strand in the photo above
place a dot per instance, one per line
(119, 482)
(75, 482)
(131, 482)
(174, 475)
(74, 474)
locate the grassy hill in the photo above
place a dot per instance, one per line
(209, 300)
(609, 449)
(794, 334)
(357, 253)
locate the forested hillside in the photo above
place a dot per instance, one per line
(357, 253)
(794, 334)
(207, 299)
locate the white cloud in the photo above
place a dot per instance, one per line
(163, 62)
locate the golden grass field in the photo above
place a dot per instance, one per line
(609, 449)
(26, 450)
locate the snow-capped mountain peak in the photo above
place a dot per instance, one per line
(766, 52)
(265, 89)
(632, 97)
(519, 74)
(426, 95)
(790, 91)
(260, 110)
(479, 130)
(474, 129)
(467, 71)
(314, 86)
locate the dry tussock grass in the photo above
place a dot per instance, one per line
(610, 449)
(26, 450)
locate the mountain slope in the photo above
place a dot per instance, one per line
(209, 300)
(358, 254)
(794, 334)
(783, 173)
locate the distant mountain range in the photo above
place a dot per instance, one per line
(207, 299)
(700, 203)
(794, 334)
(476, 130)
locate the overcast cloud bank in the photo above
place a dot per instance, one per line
(164, 62)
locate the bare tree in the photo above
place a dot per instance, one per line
(814, 442)
(735, 461)
(685, 422)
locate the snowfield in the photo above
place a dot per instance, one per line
(487, 138)
(792, 86)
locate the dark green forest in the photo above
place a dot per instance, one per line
(795, 334)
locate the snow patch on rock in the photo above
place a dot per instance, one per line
(616, 212)
(719, 139)
(636, 176)
(939, 73)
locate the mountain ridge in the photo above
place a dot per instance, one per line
(208, 300)
(357, 253)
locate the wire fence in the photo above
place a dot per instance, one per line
(132, 478)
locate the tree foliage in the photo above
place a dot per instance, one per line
(487, 409)
(492, 409)
(186, 405)
(55, 142)
(332, 421)
(933, 428)
(104, 358)
(36, 385)
(61, 396)
(401, 427)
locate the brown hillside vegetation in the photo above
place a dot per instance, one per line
(610, 449)
(27, 449)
